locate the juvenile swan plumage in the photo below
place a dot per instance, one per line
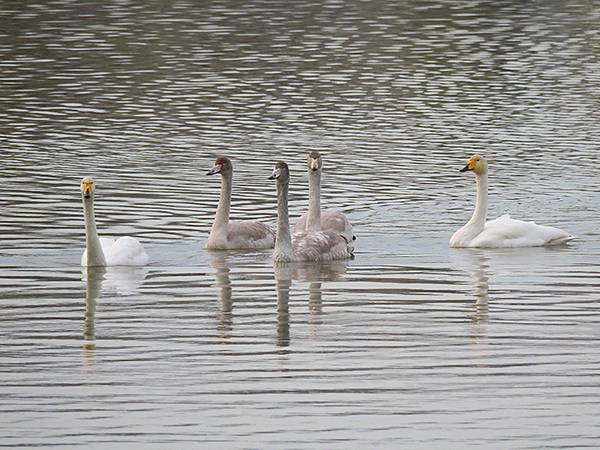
(316, 219)
(234, 234)
(125, 251)
(503, 231)
(306, 245)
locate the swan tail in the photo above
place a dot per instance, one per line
(561, 240)
(349, 245)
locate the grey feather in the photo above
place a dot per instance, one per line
(331, 219)
(321, 246)
(250, 234)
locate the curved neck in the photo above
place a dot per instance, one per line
(283, 241)
(222, 214)
(481, 203)
(313, 220)
(95, 255)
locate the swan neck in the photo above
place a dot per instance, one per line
(224, 207)
(283, 241)
(95, 254)
(313, 221)
(481, 203)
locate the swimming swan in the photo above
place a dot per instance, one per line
(306, 245)
(503, 231)
(234, 234)
(125, 251)
(316, 219)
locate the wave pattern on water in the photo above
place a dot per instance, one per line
(411, 342)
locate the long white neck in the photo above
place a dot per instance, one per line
(313, 220)
(477, 221)
(95, 255)
(222, 214)
(283, 241)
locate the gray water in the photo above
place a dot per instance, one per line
(409, 345)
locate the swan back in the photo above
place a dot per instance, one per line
(508, 232)
(126, 251)
(321, 246)
(332, 220)
(251, 234)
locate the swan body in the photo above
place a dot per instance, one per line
(308, 245)
(503, 231)
(316, 219)
(124, 251)
(234, 234)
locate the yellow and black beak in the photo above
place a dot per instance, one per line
(86, 188)
(470, 166)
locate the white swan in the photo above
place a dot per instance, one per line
(234, 234)
(306, 245)
(125, 251)
(503, 231)
(316, 219)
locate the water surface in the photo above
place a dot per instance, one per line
(411, 344)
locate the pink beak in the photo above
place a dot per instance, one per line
(215, 169)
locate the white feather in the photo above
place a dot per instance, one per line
(507, 232)
(125, 251)
(503, 231)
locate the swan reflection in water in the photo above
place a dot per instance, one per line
(313, 273)
(222, 269)
(123, 280)
(94, 277)
(481, 287)
(476, 263)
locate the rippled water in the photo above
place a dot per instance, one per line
(411, 344)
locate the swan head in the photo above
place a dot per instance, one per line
(87, 187)
(477, 164)
(281, 172)
(314, 161)
(222, 165)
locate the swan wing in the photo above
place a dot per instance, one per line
(125, 251)
(301, 224)
(321, 246)
(335, 220)
(251, 234)
(508, 232)
(331, 219)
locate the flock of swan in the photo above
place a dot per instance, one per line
(319, 235)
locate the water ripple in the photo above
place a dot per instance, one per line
(439, 348)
